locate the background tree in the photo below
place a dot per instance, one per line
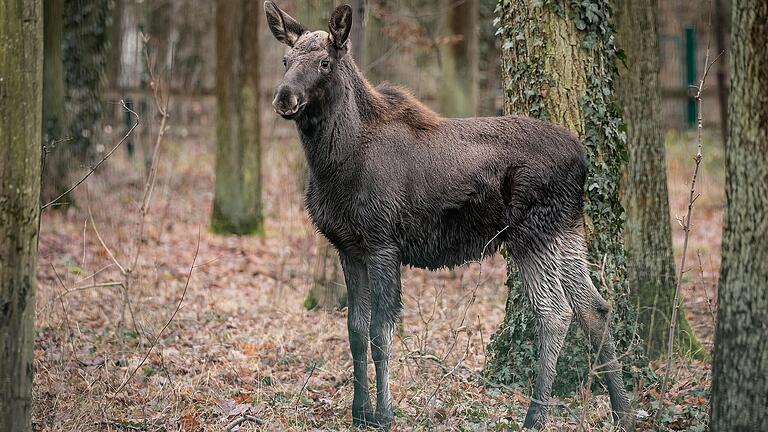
(85, 48)
(54, 133)
(75, 56)
(459, 58)
(559, 64)
(237, 206)
(740, 366)
(359, 35)
(21, 67)
(650, 261)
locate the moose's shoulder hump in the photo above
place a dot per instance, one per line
(398, 104)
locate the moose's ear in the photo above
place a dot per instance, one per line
(339, 25)
(286, 29)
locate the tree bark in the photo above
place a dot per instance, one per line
(85, 56)
(721, 28)
(650, 261)
(237, 205)
(559, 65)
(359, 36)
(328, 290)
(21, 66)
(459, 60)
(740, 366)
(55, 178)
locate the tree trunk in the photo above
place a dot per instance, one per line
(559, 64)
(489, 65)
(114, 36)
(21, 68)
(237, 207)
(57, 148)
(85, 45)
(650, 261)
(314, 15)
(328, 291)
(159, 29)
(740, 366)
(359, 36)
(721, 28)
(459, 59)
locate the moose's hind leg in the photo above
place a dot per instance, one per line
(538, 262)
(592, 312)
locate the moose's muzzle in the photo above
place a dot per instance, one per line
(287, 102)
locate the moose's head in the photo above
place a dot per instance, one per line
(311, 65)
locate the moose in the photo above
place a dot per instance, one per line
(391, 183)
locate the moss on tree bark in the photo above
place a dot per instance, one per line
(21, 66)
(740, 365)
(559, 65)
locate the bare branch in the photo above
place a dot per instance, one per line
(95, 167)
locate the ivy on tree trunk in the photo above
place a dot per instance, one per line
(559, 64)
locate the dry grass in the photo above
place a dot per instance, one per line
(242, 343)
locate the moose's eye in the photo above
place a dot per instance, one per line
(285, 62)
(325, 63)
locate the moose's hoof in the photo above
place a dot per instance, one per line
(627, 422)
(536, 417)
(384, 420)
(363, 419)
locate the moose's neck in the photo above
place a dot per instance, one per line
(330, 129)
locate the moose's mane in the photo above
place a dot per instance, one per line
(394, 103)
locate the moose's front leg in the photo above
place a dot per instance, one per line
(358, 323)
(384, 277)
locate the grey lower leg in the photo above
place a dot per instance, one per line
(594, 322)
(592, 312)
(381, 348)
(384, 277)
(358, 325)
(362, 410)
(540, 277)
(552, 331)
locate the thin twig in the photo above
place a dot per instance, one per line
(706, 292)
(66, 315)
(304, 386)
(242, 419)
(173, 315)
(95, 167)
(104, 245)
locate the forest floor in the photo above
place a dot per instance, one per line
(212, 328)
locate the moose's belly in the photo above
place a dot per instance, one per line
(454, 237)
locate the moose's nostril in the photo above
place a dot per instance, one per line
(287, 103)
(293, 102)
